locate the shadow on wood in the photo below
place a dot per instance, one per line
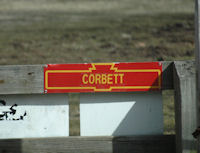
(11, 146)
(134, 144)
(144, 144)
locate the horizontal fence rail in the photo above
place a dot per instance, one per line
(29, 79)
(140, 144)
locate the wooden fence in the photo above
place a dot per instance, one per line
(178, 76)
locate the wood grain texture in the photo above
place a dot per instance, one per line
(27, 79)
(23, 79)
(197, 54)
(185, 108)
(143, 144)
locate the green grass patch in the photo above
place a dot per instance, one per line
(123, 39)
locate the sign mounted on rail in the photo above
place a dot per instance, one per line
(102, 77)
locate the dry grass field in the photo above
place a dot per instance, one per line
(76, 31)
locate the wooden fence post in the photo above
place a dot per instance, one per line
(197, 43)
(197, 52)
(185, 108)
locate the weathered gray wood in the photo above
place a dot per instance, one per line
(21, 79)
(197, 52)
(144, 144)
(27, 79)
(185, 110)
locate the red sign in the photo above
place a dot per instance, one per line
(102, 77)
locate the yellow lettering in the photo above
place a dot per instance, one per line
(121, 78)
(103, 79)
(91, 79)
(116, 75)
(110, 81)
(84, 79)
(97, 79)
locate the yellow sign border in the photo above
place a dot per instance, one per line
(112, 87)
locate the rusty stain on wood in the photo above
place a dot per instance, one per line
(2, 81)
